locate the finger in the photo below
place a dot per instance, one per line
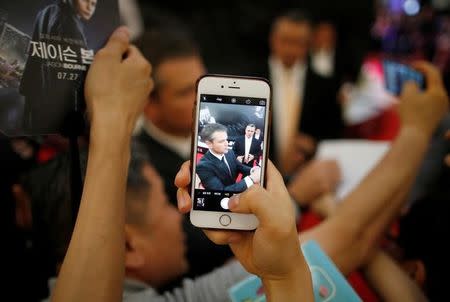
(135, 56)
(223, 236)
(274, 178)
(183, 177)
(118, 42)
(336, 169)
(253, 201)
(259, 202)
(184, 201)
(432, 75)
(409, 88)
(275, 214)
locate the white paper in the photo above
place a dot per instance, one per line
(356, 158)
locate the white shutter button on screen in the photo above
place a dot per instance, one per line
(224, 203)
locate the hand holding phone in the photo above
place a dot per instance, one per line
(224, 149)
(396, 74)
(272, 251)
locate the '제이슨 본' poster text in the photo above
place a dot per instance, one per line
(46, 48)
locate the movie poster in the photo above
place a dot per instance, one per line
(46, 48)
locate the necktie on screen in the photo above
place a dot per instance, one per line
(225, 164)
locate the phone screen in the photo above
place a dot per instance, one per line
(396, 74)
(229, 152)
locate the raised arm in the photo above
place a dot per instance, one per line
(116, 88)
(369, 209)
(390, 281)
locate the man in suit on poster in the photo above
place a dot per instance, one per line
(247, 148)
(219, 167)
(49, 98)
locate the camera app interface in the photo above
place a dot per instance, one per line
(230, 147)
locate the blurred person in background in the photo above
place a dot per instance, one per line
(155, 242)
(365, 214)
(323, 50)
(18, 156)
(304, 109)
(167, 123)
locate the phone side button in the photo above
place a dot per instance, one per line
(225, 220)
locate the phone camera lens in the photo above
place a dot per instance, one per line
(221, 86)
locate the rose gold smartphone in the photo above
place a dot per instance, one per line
(229, 148)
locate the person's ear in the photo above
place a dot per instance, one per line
(133, 254)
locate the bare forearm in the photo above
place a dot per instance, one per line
(98, 237)
(378, 226)
(379, 188)
(296, 288)
(390, 281)
(361, 218)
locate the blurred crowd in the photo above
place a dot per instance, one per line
(324, 62)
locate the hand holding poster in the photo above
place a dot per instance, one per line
(46, 48)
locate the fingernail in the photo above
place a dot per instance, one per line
(123, 30)
(233, 202)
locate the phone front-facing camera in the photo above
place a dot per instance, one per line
(221, 86)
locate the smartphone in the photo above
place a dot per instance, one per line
(396, 74)
(229, 147)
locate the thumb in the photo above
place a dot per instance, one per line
(253, 201)
(183, 177)
(118, 42)
(409, 88)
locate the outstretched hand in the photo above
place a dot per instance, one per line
(423, 110)
(316, 179)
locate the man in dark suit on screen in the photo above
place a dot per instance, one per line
(247, 148)
(219, 168)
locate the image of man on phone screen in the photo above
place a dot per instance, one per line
(247, 148)
(219, 168)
